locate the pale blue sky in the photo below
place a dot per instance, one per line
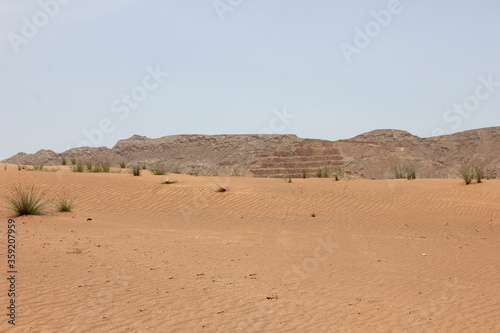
(234, 64)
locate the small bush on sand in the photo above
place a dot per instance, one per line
(73, 160)
(158, 169)
(38, 166)
(26, 200)
(63, 160)
(136, 169)
(287, 177)
(78, 166)
(467, 173)
(304, 173)
(123, 164)
(89, 165)
(20, 167)
(169, 181)
(479, 173)
(407, 171)
(323, 172)
(338, 174)
(65, 203)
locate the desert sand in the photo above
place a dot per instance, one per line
(378, 256)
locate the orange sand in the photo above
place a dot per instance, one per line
(380, 256)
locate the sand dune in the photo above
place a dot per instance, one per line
(379, 255)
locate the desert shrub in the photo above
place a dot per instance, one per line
(479, 173)
(467, 173)
(123, 164)
(73, 160)
(194, 173)
(176, 170)
(5, 167)
(136, 169)
(65, 203)
(323, 172)
(338, 174)
(26, 200)
(63, 160)
(169, 181)
(105, 166)
(304, 173)
(410, 172)
(399, 172)
(78, 166)
(158, 169)
(313, 214)
(89, 165)
(20, 167)
(38, 166)
(287, 177)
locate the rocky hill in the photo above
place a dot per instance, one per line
(369, 155)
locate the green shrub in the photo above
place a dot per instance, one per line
(73, 160)
(38, 166)
(89, 165)
(467, 172)
(26, 200)
(304, 173)
(479, 173)
(339, 173)
(78, 166)
(65, 203)
(323, 172)
(63, 160)
(123, 164)
(136, 169)
(158, 169)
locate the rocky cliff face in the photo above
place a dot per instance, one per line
(369, 155)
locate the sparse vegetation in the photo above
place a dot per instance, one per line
(323, 172)
(313, 215)
(38, 166)
(73, 160)
(304, 173)
(158, 169)
(78, 166)
(26, 200)
(20, 167)
(176, 170)
(338, 174)
(467, 172)
(63, 160)
(65, 203)
(287, 177)
(194, 173)
(407, 171)
(169, 181)
(123, 164)
(136, 169)
(89, 165)
(479, 173)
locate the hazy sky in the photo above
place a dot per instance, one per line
(86, 71)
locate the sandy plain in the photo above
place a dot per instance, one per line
(136, 255)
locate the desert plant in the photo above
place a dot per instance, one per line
(304, 173)
(194, 173)
(5, 167)
(89, 165)
(78, 166)
(313, 214)
(123, 164)
(63, 160)
(323, 172)
(169, 181)
(410, 172)
(105, 166)
(287, 177)
(38, 166)
(65, 203)
(26, 200)
(54, 169)
(479, 173)
(467, 173)
(73, 160)
(158, 169)
(136, 169)
(399, 172)
(176, 170)
(20, 167)
(339, 173)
